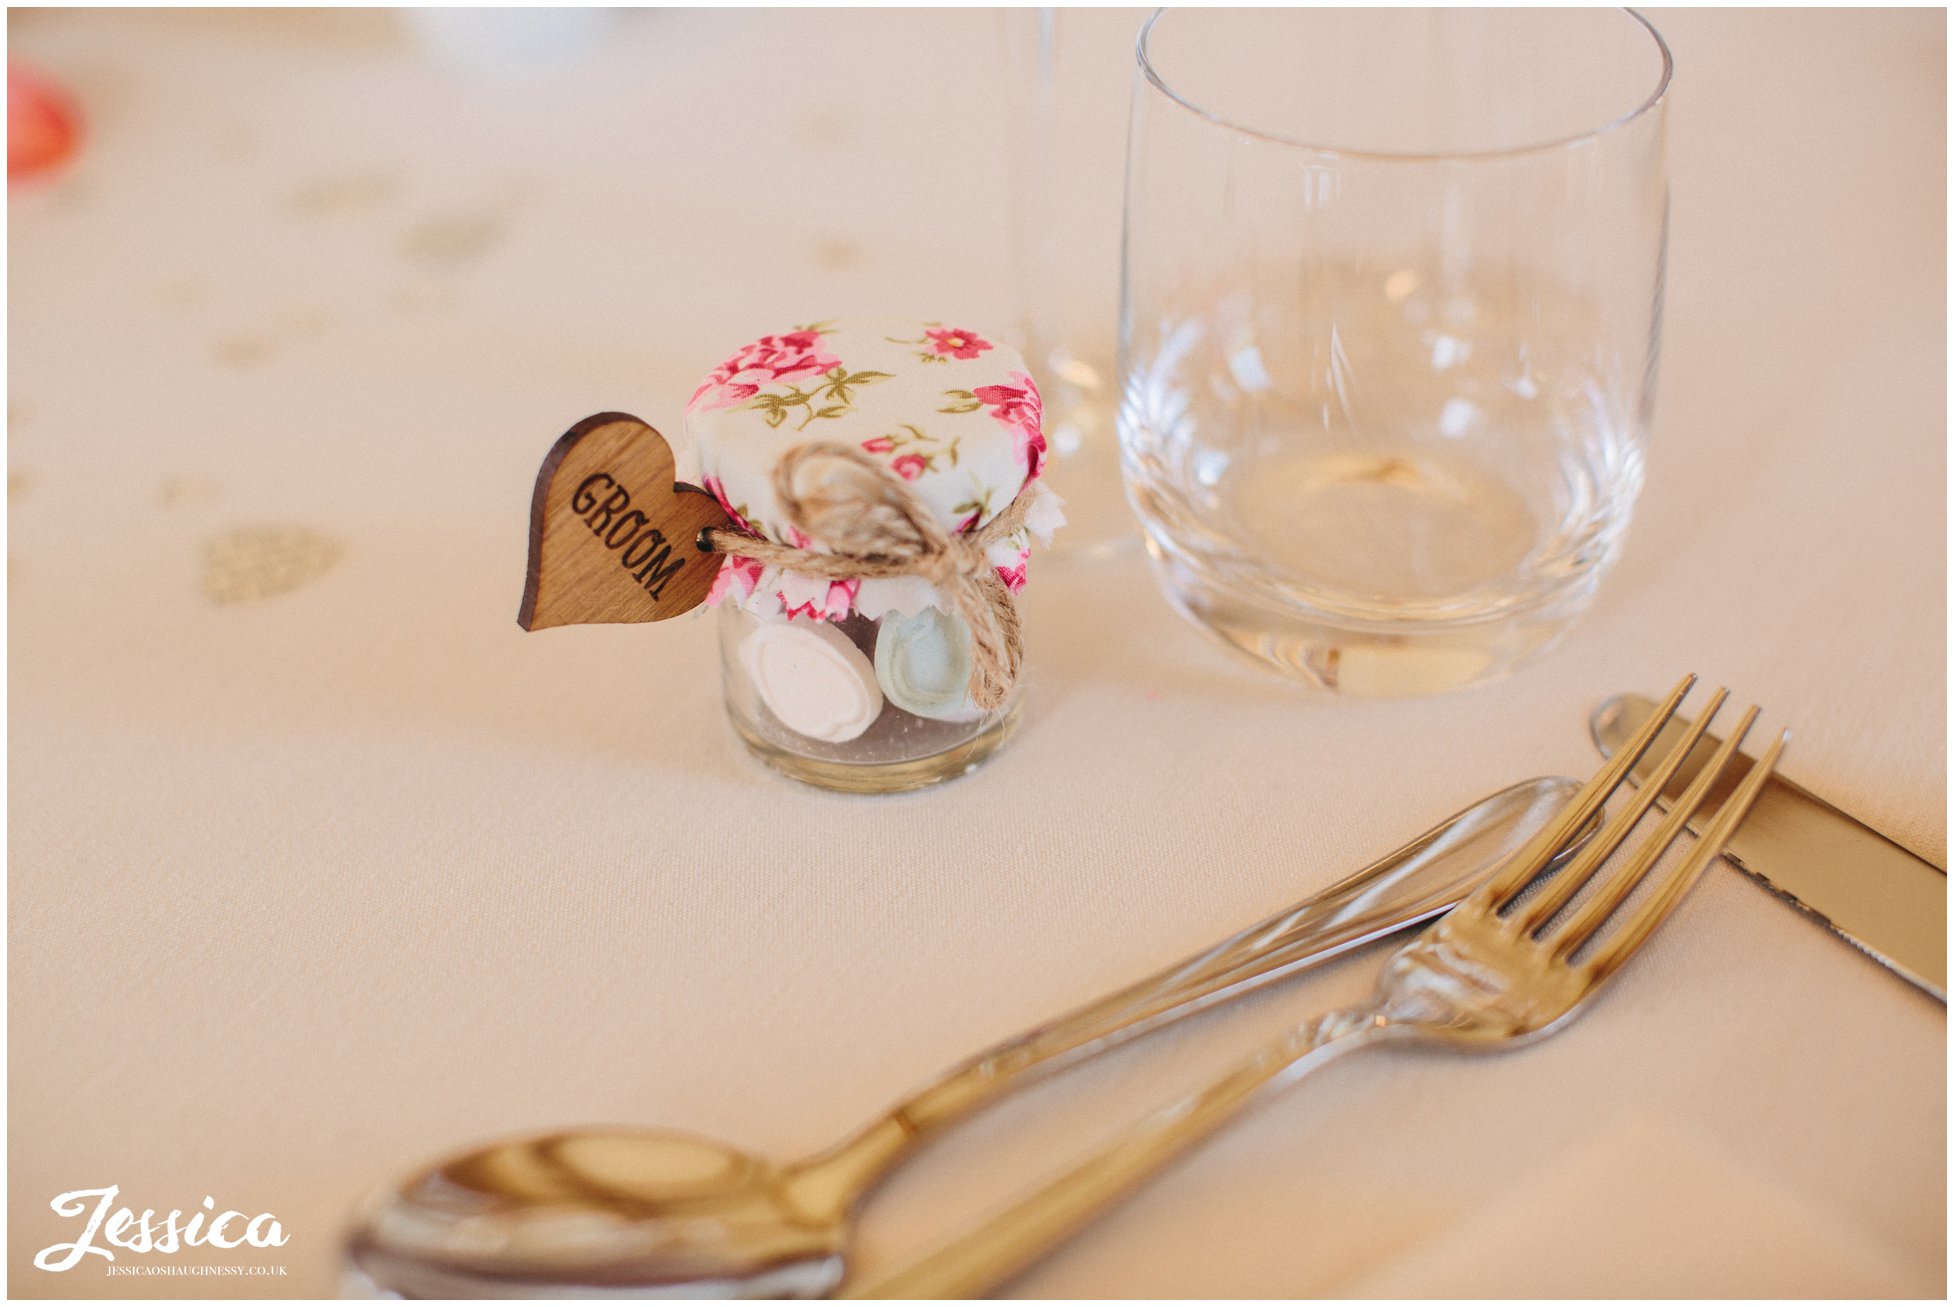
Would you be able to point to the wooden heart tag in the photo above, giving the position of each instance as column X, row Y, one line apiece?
column 612, row 536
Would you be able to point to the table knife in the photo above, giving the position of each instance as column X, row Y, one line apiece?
column 1886, row 902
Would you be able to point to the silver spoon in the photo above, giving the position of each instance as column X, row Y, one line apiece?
column 619, row 1212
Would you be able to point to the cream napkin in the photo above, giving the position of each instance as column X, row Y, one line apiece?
column 1648, row 1210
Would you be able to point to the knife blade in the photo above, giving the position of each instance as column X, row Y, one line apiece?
column 1885, row 901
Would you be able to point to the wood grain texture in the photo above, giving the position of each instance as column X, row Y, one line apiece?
column 613, row 537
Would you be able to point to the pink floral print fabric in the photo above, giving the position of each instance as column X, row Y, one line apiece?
column 948, row 409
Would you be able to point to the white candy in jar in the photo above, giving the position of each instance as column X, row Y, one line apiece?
column 813, row 678
column 923, row 662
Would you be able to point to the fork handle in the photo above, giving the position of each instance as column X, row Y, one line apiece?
column 1014, row 1238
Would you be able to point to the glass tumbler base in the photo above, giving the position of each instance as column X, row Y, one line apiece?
column 881, row 777
column 1369, row 658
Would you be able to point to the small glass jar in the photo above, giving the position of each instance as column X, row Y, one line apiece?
column 807, row 696
column 866, row 684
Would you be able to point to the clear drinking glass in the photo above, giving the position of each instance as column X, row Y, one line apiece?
column 1066, row 70
column 1391, row 301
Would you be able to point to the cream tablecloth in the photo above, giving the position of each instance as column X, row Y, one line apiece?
column 307, row 887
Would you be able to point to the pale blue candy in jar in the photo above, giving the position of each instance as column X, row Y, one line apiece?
column 886, row 477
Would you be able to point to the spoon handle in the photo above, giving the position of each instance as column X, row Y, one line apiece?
column 1417, row 882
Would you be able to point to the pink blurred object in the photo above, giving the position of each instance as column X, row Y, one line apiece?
column 43, row 124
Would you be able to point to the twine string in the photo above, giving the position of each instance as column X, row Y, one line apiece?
column 875, row 527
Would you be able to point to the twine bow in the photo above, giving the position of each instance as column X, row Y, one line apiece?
column 876, row 528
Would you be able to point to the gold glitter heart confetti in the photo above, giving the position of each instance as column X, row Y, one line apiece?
column 257, row 562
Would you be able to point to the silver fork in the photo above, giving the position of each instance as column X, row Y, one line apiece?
column 1497, row 971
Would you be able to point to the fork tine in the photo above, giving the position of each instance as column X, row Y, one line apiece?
column 1580, row 927
column 1540, row 850
column 1562, row 889
column 1618, row 950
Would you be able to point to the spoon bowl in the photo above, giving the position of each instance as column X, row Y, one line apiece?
column 601, row 1213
